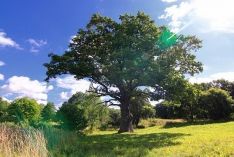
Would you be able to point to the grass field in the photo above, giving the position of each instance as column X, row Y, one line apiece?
column 216, row 139
column 182, row 139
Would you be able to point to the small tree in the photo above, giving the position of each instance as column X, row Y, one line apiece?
column 224, row 85
column 216, row 103
column 221, row 83
column 140, row 107
column 48, row 112
column 24, row 111
column 168, row 109
column 72, row 117
column 82, row 111
column 189, row 101
column 3, row 109
column 114, row 117
column 148, row 111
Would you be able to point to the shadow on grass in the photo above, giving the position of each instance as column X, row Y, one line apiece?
column 127, row 145
column 197, row 122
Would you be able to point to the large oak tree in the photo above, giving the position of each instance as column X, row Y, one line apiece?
column 127, row 58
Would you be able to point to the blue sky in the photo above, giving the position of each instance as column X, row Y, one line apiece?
column 29, row 30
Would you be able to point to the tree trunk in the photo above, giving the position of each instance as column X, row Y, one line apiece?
column 126, row 119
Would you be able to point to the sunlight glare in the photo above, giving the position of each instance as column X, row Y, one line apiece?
column 217, row 14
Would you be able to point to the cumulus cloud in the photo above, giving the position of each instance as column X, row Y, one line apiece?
column 21, row 86
column 5, row 99
column 223, row 75
column 69, row 82
column 154, row 103
column 2, row 63
column 64, row 95
column 168, row 1
column 71, row 38
column 1, row 77
column 36, row 44
column 177, row 15
column 207, row 15
column 72, row 85
column 7, row 41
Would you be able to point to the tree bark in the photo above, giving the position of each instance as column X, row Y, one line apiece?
column 126, row 119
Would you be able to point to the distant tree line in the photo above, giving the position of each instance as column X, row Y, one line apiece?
column 26, row 112
column 213, row 100
column 86, row 112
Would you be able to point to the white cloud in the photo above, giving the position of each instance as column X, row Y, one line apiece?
column 2, row 63
column 36, row 44
column 71, row 38
column 69, row 82
column 223, row 75
column 206, row 15
column 64, row 95
column 21, row 86
column 1, row 77
column 154, row 103
column 6, row 41
column 168, row 1
column 177, row 15
column 73, row 85
column 5, row 99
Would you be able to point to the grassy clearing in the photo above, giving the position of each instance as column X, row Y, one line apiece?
column 173, row 139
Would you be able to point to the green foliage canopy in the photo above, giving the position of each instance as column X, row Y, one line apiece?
column 189, row 100
column 114, row 117
column 82, row 111
column 24, row 111
column 216, row 103
column 48, row 112
column 125, row 55
column 221, row 83
column 140, row 107
column 3, row 109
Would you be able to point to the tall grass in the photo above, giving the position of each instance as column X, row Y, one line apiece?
column 60, row 143
column 21, row 142
column 164, row 138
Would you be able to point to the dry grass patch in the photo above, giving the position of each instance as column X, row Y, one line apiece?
column 145, row 123
column 20, row 142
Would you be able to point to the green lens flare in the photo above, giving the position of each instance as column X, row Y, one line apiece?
column 167, row 39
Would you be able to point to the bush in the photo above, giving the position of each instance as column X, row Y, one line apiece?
column 24, row 111
column 72, row 117
column 114, row 117
column 83, row 111
column 189, row 101
column 147, row 111
column 216, row 104
column 167, row 110
column 140, row 107
column 3, row 110
column 48, row 112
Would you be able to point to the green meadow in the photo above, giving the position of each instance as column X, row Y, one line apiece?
column 175, row 140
